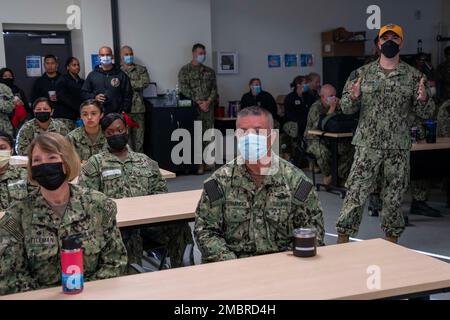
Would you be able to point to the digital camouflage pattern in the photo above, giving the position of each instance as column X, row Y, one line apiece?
column 199, row 83
column 388, row 104
column 140, row 80
column 392, row 168
column 7, row 106
column 13, row 186
column 84, row 146
column 137, row 176
column 31, row 237
column 443, row 120
column 31, row 130
column 250, row 220
column 321, row 148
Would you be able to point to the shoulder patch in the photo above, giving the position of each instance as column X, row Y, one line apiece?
column 353, row 75
column 12, row 226
column 213, row 191
column 303, row 191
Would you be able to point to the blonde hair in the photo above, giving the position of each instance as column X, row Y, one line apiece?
column 55, row 143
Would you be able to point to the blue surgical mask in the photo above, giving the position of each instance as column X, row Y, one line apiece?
column 306, row 88
column 253, row 147
column 128, row 59
column 106, row 60
column 256, row 89
column 201, row 58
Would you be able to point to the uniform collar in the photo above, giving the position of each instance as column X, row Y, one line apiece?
column 109, row 156
column 87, row 141
column 10, row 173
column 240, row 172
column 74, row 211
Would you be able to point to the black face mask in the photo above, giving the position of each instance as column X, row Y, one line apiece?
column 42, row 116
column 117, row 142
column 390, row 49
column 50, row 176
column 9, row 82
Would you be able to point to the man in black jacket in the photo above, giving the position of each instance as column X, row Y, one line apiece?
column 51, row 86
column 71, row 93
column 109, row 85
column 258, row 97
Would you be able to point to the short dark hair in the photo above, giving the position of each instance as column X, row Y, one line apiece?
column 311, row 76
column 198, row 46
column 255, row 111
column 109, row 119
column 50, row 56
column 8, row 138
column 70, row 60
column 447, row 50
column 92, row 102
column 297, row 80
column 4, row 70
column 40, row 100
column 253, row 80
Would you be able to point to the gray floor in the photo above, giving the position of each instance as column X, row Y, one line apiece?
column 431, row 235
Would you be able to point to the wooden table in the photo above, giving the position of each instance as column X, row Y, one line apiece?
column 338, row 272
column 161, row 208
column 169, row 207
column 441, row 144
column 334, row 139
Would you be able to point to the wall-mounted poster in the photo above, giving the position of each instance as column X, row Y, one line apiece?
column 95, row 60
column 274, row 60
column 34, row 66
column 290, row 60
column 306, row 60
column 227, row 63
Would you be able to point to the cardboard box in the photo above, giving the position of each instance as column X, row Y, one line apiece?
column 331, row 48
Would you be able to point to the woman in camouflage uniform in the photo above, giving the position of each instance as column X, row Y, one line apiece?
column 32, row 229
column 89, row 139
column 13, row 180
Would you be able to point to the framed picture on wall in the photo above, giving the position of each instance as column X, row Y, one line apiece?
column 227, row 63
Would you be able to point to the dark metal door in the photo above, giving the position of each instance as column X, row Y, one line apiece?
column 20, row 44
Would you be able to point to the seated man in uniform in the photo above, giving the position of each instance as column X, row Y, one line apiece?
column 252, row 205
column 121, row 173
column 328, row 106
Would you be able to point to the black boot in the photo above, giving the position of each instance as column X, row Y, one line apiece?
column 423, row 209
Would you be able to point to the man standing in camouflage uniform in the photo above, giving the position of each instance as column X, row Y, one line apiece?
column 198, row 82
column 386, row 93
column 140, row 80
column 443, row 77
column 7, row 106
column 252, row 205
column 328, row 106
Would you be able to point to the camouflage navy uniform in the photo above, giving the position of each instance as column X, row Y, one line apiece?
column 140, row 80
column 31, row 130
column 320, row 147
column 31, row 236
column 235, row 218
column 13, row 186
column 7, row 106
column 84, row 146
column 382, row 142
column 137, row 176
column 443, row 119
column 199, row 83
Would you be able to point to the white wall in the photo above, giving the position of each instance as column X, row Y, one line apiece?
column 256, row 28
column 96, row 29
column 162, row 33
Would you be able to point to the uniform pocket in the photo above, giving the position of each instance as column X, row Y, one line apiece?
column 237, row 222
